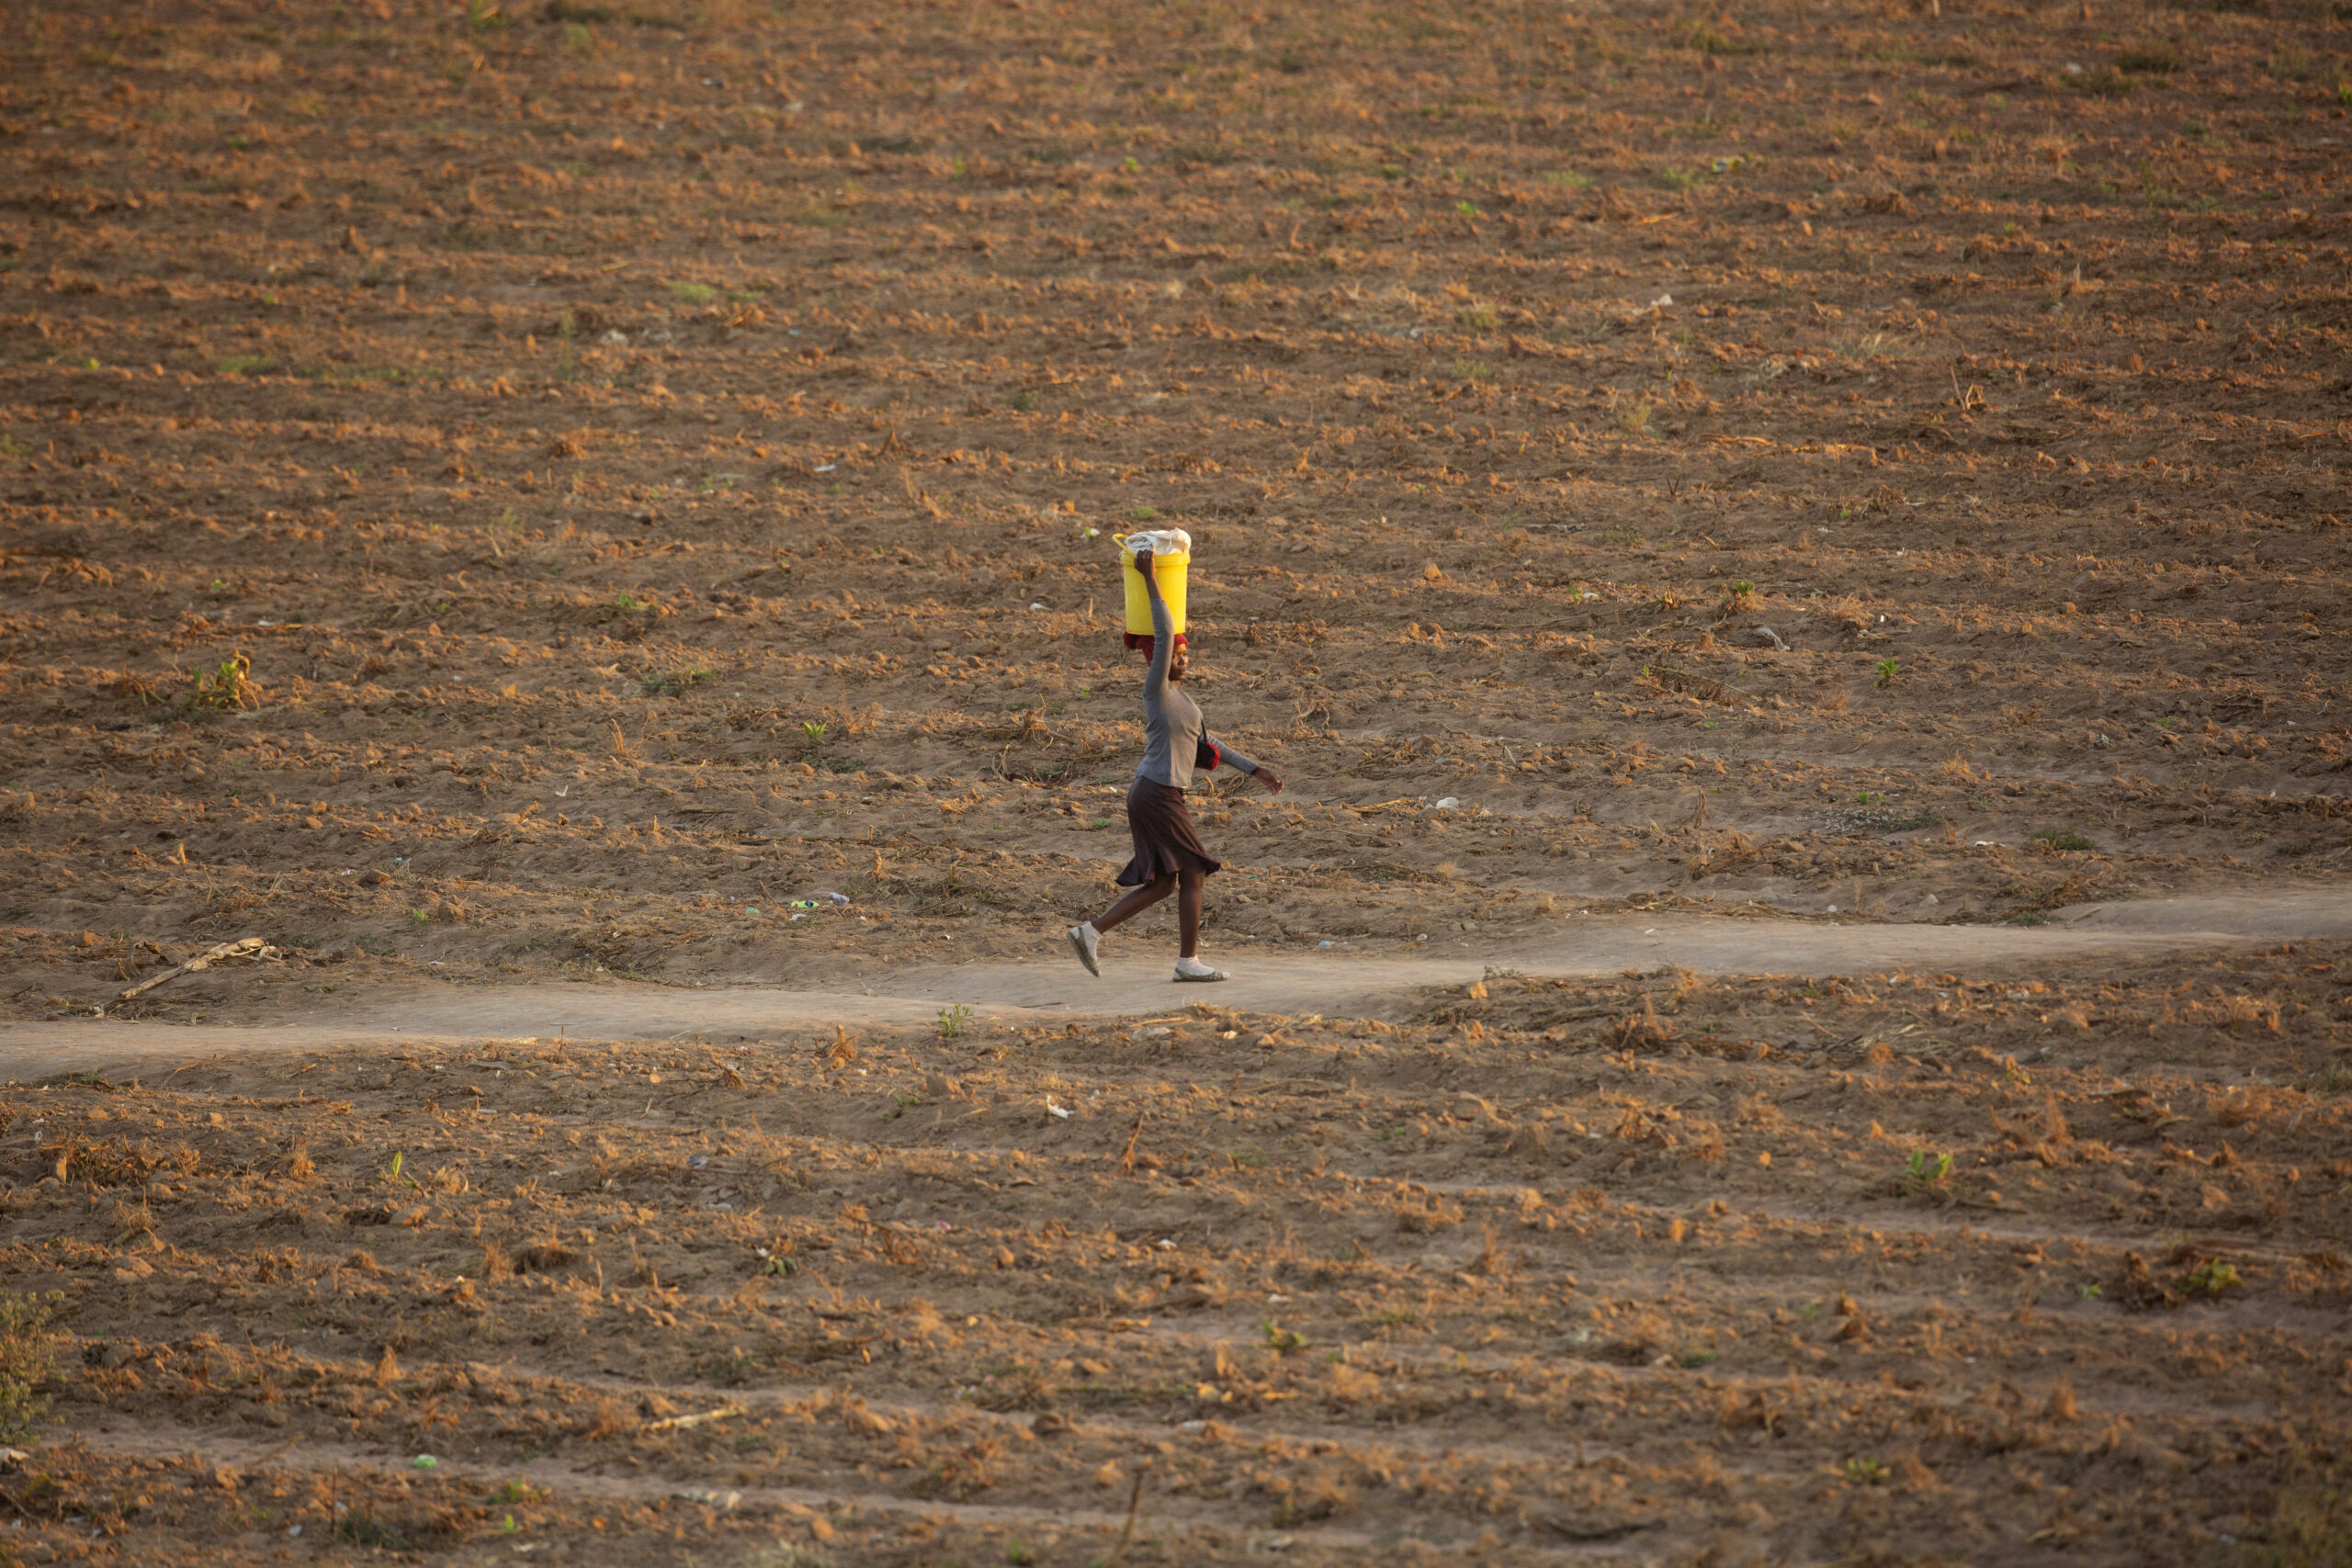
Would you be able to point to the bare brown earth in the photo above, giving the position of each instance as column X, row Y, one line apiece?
column 2041, row 1267
column 504, row 502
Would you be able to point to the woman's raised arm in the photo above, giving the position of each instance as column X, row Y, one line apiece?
column 1163, row 630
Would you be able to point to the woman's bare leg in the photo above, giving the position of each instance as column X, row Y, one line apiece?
column 1188, row 910
column 1137, row 901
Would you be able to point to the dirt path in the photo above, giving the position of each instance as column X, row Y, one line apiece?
column 1346, row 980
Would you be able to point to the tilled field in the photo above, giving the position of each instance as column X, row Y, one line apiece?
column 493, row 495
column 1912, row 1268
column 517, row 491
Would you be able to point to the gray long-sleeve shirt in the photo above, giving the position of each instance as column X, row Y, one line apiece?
column 1173, row 726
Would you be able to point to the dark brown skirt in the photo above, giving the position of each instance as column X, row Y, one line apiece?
column 1166, row 840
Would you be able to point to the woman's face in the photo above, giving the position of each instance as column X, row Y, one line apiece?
column 1179, row 662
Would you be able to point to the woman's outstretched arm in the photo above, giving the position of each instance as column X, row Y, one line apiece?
column 1227, row 752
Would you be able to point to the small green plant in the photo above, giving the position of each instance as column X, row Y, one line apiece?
column 693, row 293
column 1865, row 1471
column 1924, row 1172
column 1394, row 1133
column 1887, row 669
column 510, row 1492
column 485, row 16
column 952, row 1020
column 421, row 917
column 628, row 604
column 2062, row 839
column 248, row 365
column 228, row 684
column 814, row 733
column 28, row 1357
column 2212, row 1276
column 1739, row 595
column 1283, row 1341
column 1476, row 318
column 1865, row 797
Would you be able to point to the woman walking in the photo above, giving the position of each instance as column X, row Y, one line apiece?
column 1169, row 855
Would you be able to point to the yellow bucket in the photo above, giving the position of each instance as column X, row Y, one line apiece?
column 1171, row 551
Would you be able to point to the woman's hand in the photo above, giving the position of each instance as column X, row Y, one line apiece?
column 1148, row 565
column 1271, row 779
